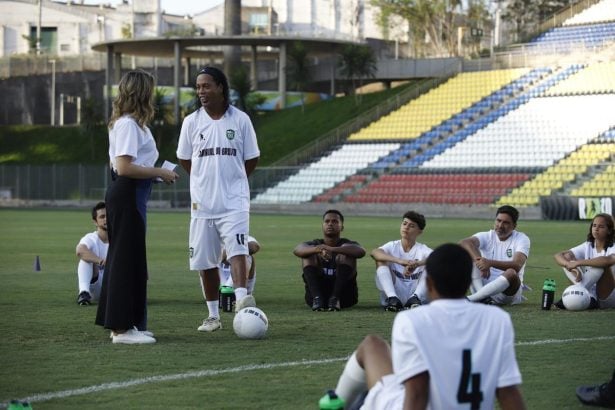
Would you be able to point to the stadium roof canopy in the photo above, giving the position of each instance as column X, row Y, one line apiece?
column 211, row 47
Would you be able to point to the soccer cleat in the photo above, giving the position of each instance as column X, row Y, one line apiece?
column 560, row 304
column 602, row 395
column 334, row 304
column 143, row 332
column 593, row 304
column 487, row 301
column 413, row 302
column 132, row 337
column 393, row 304
column 331, row 401
column 317, row 304
column 211, row 324
column 248, row 301
column 84, row 299
column 19, row 405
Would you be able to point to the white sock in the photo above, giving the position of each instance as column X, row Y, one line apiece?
column 591, row 276
column 477, row 279
column 421, row 288
column 85, row 271
column 571, row 276
column 213, row 308
column 498, row 285
column 383, row 275
column 250, row 284
column 352, row 380
column 240, row 293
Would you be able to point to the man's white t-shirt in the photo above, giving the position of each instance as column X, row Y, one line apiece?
column 127, row 138
column 491, row 247
column 93, row 242
column 457, row 342
column 218, row 150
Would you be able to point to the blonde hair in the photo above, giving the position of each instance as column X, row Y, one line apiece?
column 135, row 98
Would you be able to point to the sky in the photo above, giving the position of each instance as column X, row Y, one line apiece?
column 179, row 7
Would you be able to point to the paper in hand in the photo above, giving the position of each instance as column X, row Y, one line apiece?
column 166, row 165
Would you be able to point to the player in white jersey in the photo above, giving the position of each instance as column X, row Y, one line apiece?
column 92, row 253
column 400, row 266
column 499, row 258
column 226, row 278
column 449, row 354
column 598, row 252
column 218, row 148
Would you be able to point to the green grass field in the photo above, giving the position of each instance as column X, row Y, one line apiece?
column 52, row 353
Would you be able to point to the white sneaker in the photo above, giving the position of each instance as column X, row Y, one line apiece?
column 211, row 324
column 143, row 332
column 132, row 337
column 248, row 301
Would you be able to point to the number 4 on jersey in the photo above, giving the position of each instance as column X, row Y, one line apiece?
column 469, row 385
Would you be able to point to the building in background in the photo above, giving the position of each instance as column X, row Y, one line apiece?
column 71, row 28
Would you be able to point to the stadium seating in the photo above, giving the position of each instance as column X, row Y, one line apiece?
column 595, row 78
column 600, row 12
column 565, row 39
column 324, row 173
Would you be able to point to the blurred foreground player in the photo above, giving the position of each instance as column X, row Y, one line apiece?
column 449, row 354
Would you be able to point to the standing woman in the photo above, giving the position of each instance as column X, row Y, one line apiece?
column 132, row 155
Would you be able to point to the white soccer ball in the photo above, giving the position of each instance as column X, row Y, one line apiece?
column 250, row 323
column 576, row 297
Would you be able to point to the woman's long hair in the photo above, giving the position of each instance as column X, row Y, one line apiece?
column 135, row 98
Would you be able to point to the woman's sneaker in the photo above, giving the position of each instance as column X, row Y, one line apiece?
column 132, row 337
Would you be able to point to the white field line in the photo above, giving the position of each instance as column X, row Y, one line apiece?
column 210, row 373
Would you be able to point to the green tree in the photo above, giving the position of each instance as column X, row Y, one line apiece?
column 91, row 120
column 526, row 15
column 240, row 82
column 432, row 20
column 298, row 70
column 356, row 63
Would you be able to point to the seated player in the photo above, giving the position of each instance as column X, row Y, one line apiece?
column 92, row 253
column 400, row 266
column 330, row 266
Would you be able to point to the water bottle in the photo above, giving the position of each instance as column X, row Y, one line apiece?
column 548, row 293
column 227, row 298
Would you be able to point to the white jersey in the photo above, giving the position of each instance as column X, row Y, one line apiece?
column 467, row 348
column 95, row 244
column 127, row 138
column 218, row 150
column 586, row 250
column 491, row 247
column 405, row 286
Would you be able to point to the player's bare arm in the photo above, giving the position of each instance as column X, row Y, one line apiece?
column 251, row 165
column 516, row 263
column 381, row 256
column 126, row 168
column 186, row 165
column 510, row 398
column 85, row 254
column 416, row 392
column 348, row 249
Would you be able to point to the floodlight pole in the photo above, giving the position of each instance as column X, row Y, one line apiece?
column 53, row 92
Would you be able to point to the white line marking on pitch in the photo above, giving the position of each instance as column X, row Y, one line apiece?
column 209, row 373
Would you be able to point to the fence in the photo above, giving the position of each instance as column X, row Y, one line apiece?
column 86, row 183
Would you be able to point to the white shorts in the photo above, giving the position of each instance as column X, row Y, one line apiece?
column 208, row 237
column 609, row 302
column 386, row 394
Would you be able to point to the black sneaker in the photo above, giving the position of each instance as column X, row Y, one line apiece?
column 334, row 304
column 393, row 304
column 84, row 299
column 317, row 304
column 560, row 304
column 593, row 304
column 487, row 301
column 602, row 395
column 413, row 302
